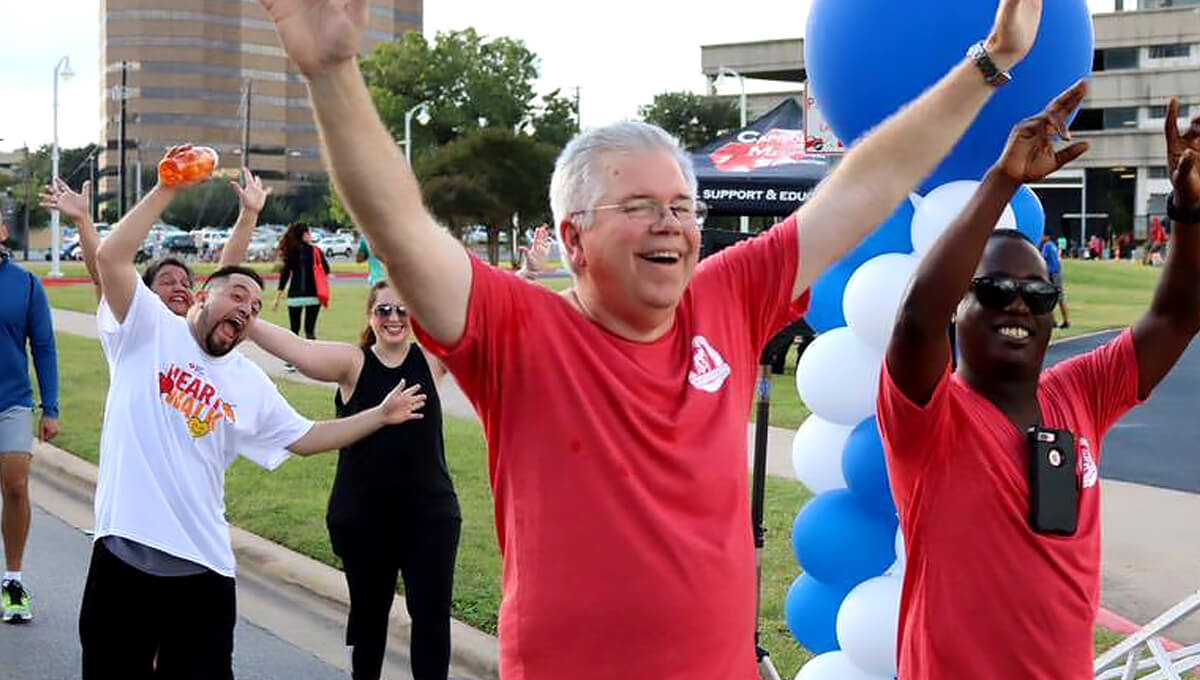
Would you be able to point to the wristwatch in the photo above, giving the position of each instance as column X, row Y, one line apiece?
column 1179, row 214
column 992, row 74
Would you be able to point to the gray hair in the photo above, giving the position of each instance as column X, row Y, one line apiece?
column 576, row 184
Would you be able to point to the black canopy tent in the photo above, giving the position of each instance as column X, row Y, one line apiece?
column 762, row 169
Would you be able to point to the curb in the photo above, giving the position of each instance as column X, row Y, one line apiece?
column 471, row 649
column 1119, row 624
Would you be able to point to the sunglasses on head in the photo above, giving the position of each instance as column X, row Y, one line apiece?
column 385, row 310
column 998, row 292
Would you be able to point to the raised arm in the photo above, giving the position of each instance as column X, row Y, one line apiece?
column 114, row 259
column 402, row 404
column 425, row 263
column 252, row 198
column 886, row 165
column 920, row 349
column 75, row 206
column 337, row 362
column 1166, row 329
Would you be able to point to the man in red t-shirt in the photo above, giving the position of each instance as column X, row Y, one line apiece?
column 987, row 595
column 615, row 413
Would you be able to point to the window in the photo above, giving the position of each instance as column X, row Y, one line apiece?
column 1159, row 4
column 1169, row 51
column 1160, row 112
column 1116, row 58
column 1156, row 172
column 1120, row 117
column 1088, row 120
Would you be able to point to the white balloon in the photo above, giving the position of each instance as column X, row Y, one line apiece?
column 939, row 208
column 897, row 568
column 915, row 199
column 873, row 295
column 817, row 454
column 867, row 625
column 838, row 377
column 834, row 666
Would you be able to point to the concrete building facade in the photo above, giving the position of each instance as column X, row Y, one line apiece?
column 187, row 66
column 1144, row 55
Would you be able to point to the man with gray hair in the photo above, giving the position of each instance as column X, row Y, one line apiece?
column 616, row 412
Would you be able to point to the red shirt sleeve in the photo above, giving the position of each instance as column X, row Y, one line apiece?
column 1103, row 381
column 759, row 273
column 910, row 432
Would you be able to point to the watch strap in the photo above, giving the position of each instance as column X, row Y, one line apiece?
column 992, row 74
column 1180, row 214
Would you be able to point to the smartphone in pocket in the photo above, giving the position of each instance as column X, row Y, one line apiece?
column 1054, row 486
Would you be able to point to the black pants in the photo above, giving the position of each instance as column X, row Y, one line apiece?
column 310, row 320
column 129, row 617
column 422, row 551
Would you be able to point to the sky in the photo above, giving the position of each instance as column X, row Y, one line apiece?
column 620, row 53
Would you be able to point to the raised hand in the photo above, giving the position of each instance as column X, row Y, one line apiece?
column 318, row 34
column 538, row 251
column 1030, row 153
column 58, row 195
column 1014, row 31
column 253, row 196
column 1183, row 152
column 402, row 404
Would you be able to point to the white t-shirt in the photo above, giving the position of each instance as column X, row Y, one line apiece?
column 175, row 420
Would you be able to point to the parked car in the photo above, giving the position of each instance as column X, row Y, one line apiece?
column 340, row 244
column 180, row 243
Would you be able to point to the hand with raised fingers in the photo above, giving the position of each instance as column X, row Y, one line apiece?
column 1030, row 154
column 1183, row 154
column 402, row 404
column 58, row 195
column 253, row 196
column 318, row 34
column 537, row 253
column 1014, row 31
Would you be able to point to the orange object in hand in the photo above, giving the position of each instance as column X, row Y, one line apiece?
column 187, row 165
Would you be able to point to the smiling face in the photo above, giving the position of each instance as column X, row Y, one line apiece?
column 636, row 268
column 173, row 285
column 228, row 306
column 388, row 318
column 1005, row 343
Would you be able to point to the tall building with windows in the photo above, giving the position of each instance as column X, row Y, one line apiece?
column 187, row 67
column 1146, row 52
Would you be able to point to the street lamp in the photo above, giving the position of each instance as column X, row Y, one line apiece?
column 61, row 69
column 744, row 222
column 421, row 111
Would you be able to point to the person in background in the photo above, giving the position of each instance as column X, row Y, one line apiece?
column 533, row 258
column 392, row 509
column 303, row 264
column 24, row 318
column 1051, row 253
column 375, row 273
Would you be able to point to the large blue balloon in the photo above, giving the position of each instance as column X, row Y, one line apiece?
column 839, row 542
column 1031, row 216
column 865, row 470
column 811, row 610
column 893, row 236
column 867, row 58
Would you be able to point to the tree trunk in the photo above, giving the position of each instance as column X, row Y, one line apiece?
column 493, row 246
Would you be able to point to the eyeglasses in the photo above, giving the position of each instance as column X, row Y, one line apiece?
column 689, row 213
column 385, row 310
column 998, row 292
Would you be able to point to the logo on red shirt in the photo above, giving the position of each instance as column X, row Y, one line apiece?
column 709, row 369
column 1087, row 466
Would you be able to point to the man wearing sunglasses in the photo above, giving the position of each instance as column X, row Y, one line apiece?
column 995, row 586
column 616, row 413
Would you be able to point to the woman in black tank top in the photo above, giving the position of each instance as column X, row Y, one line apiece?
column 392, row 509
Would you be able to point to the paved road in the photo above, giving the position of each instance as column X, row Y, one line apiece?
column 1155, row 444
column 56, row 567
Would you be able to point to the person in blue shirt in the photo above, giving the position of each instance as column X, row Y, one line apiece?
column 24, row 317
column 374, row 267
column 1050, row 253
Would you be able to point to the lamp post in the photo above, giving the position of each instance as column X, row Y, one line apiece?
column 421, row 111
column 61, row 69
column 744, row 222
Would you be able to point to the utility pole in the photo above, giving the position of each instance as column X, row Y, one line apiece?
column 92, row 207
column 246, row 129
column 25, row 165
column 121, row 143
column 578, row 119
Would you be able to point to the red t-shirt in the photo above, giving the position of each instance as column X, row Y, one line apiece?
column 619, row 470
column 985, row 597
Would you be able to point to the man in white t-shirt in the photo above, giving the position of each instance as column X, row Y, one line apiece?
column 182, row 405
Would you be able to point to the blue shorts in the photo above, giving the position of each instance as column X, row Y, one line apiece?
column 16, row 430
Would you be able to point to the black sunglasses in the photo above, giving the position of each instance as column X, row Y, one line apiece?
column 385, row 310
column 998, row 292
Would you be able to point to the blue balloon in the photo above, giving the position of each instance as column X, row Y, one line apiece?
column 825, row 305
column 840, row 542
column 867, row 58
column 893, row 236
column 1031, row 216
column 865, row 470
column 811, row 610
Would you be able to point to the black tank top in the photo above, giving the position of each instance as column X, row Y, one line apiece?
column 400, row 470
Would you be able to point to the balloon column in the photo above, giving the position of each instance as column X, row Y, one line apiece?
column 845, row 606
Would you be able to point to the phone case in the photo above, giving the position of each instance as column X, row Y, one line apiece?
column 1054, row 486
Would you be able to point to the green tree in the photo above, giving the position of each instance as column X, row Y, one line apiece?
column 486, row 178
column 694, row 119
column 557, row 121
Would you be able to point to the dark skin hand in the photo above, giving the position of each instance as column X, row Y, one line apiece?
column 919, row 352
